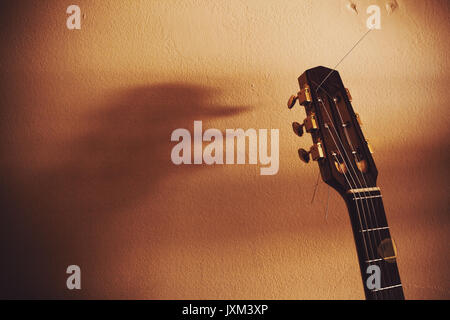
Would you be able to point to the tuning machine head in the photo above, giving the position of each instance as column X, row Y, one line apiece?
column 308, row 125
column 303, row 97
column 316, row 153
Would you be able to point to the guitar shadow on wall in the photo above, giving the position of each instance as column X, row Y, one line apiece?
column 60, row 215
column 128, row 149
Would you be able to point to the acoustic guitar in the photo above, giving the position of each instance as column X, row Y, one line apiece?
column 346, row 164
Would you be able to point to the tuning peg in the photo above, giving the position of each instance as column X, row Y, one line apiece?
column 308, row 125
column 304, row 155
column 298, row 128
column 291, row 101
column 316, row 153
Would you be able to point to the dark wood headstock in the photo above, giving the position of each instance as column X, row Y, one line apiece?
column 339, row 146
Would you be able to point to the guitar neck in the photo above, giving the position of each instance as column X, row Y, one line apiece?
column 373, row 243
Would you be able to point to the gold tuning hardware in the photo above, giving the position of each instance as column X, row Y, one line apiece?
column 348, row 95
column 315, row 153
column 309, row 124
column 304, row 96
column 358, row 118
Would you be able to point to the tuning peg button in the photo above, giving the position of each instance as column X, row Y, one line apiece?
column 304, row 155
column 298, row 128
column 291, row 101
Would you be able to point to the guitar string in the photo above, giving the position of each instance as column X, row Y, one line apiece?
column 320, row 85
column 350, row 185
column 377, row 231
column 377, row 226
column 386, row 270
column 345, row 56
column 315, row 188
column 314, row 194
column 317, row 89
column 328, row 75
column 365, row 194
column 359, row 216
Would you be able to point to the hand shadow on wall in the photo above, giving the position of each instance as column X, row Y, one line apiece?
column 54, row 215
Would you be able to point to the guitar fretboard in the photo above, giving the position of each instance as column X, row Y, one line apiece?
column 373, row 242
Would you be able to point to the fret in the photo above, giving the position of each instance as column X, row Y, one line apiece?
column 387, row 288
column 394, row 292
column 373, row 260
column 374, row 229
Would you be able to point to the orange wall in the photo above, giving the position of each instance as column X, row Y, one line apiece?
column 86, row 118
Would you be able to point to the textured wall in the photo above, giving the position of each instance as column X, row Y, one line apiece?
column 86, row 118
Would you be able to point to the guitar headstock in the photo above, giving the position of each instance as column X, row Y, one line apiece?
column 339, row 147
